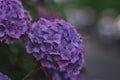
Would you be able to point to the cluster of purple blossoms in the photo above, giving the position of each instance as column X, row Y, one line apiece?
column 4, row 77
column 57, row 45
column 14, row 20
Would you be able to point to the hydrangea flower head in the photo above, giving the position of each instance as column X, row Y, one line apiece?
column 57, row 45
column 14, row 20
column 4, row 77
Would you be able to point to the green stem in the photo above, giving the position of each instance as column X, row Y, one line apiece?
column 30, row 73
column 33, row 71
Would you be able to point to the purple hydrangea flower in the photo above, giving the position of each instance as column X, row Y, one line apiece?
column 4, row 77
column 14, row 20
column 57, row 45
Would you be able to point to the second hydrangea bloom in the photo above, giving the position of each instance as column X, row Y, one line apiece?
column 14, row 20
column 57, row 45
